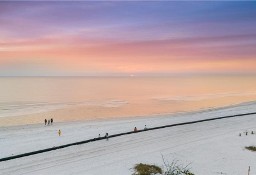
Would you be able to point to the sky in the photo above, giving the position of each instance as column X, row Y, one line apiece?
column 127, row 38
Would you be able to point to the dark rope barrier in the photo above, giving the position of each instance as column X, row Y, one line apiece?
column 117, row 135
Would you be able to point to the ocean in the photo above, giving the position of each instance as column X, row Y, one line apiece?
column 27, row 100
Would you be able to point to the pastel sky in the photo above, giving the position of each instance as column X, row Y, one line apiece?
column 123, row 38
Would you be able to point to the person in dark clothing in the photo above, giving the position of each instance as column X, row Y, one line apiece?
column 51, row 120
column 45, row 121
column 106, row 136
column 135, row 129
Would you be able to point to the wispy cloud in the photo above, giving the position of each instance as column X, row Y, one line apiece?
column 130, row 37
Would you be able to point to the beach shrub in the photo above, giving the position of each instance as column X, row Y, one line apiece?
column 251, row 148
column 173, row 168
column 145, row 169
column 176, row 168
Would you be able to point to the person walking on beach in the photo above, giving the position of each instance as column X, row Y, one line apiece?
column 106, row 136
column 51, row 121
column 145, row 128
column 135, row 129
column 59, row 132
column 48, row 122
column 45, row 121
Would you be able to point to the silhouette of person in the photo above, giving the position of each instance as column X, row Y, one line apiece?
column 45, row 121
column 51, row 120
column 106, row 136
column 135, row 129
column 145, row 128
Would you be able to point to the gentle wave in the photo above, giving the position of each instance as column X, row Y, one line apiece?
column 203, row 97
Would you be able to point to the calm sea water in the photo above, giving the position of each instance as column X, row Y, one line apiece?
column 120, row 96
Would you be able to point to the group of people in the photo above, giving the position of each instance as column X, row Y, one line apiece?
column 48, row 122
column 106, row 135
column 246, row 133
column 135, row 128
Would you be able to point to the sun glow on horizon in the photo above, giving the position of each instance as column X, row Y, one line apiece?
column 92, row 38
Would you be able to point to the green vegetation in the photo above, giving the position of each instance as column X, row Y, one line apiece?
column 251, row 148
column 144, row 169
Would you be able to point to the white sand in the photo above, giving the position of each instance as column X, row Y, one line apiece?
column 212, row 147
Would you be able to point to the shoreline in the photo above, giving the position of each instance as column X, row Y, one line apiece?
column 38, row 116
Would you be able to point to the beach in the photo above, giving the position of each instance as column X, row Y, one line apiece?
column 212, row 147
column 100, row 87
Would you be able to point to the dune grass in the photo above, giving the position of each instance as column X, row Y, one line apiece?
column 251, row 148
column 169, row 169
column 144, row 169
